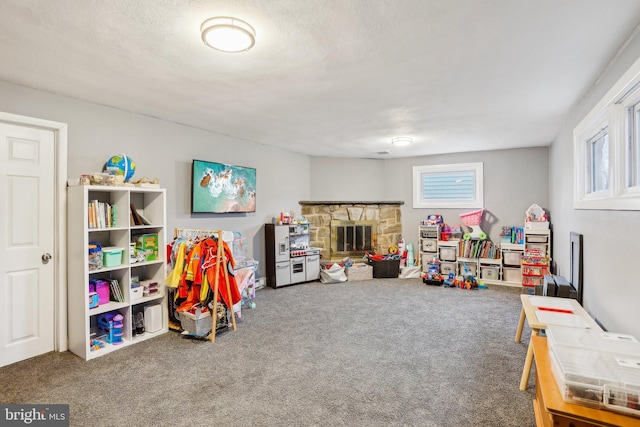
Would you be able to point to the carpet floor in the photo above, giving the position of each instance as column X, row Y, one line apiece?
column 381, row 352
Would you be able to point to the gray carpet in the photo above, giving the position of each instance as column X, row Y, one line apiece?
column 384, row 352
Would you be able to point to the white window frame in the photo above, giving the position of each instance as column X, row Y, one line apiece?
column 613, row 113
column 477, row 202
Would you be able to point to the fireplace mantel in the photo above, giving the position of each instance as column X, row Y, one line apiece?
column 350, row 202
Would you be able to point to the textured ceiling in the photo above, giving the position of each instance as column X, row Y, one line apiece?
column 328, row 77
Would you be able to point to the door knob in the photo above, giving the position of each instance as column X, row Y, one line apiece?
column 46, row 258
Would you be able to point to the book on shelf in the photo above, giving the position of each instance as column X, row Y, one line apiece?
column 116, row 291
column 135, row 216
column 145, row 220
column 101, row 215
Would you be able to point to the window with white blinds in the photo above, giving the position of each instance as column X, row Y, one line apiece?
column 448, row 186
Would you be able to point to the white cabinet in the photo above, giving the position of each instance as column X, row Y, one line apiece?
column 115, row 230
column 428, row 244
column 312, row 267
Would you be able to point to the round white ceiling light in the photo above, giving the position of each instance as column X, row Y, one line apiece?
column 228, row 34
column 401, row 141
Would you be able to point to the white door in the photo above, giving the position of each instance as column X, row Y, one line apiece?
column 27, row 276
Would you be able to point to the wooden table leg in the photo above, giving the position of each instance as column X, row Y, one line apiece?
column 527, row 364
column 520, row 325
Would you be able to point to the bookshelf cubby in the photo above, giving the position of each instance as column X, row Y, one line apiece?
column 114, row 229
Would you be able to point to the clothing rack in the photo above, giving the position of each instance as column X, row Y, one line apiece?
column 192, row 232
column 188, row 233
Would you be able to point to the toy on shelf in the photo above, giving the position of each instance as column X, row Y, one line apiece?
column 473, row 221
column 432, row 220
column 468, row 279
column 536, row 218
column 448, row 232
column 111, row 326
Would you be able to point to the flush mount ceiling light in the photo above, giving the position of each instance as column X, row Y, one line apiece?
column 228, row 34
column 401, row 140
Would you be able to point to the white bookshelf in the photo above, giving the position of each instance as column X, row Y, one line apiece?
column 151, row 203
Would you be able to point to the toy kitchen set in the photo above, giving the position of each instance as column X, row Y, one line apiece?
column 289, row 258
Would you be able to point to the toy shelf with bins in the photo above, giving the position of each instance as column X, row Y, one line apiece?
column 448, row 256
column 511, row 263
column 428, row 242
column 507, row 269
column 117, row 230
column 535, row 265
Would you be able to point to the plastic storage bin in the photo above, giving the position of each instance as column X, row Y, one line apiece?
column 112, row 256
column 447, row 254
column 512, row 274
column 136, row 293
column 581, row 375
column 199, row 324
column 586, row 338
column 385, row 268
column 447, row 267
column 490, row 273
column 95, row 256
column 101, row 287
column 512, row 257
column 429, row 245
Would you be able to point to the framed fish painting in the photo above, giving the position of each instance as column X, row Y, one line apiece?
column 222, row 188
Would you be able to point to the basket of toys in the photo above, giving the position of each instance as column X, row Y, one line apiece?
column 198, row 323
column 472, row 218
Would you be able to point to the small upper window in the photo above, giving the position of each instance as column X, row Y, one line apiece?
column 448, row 186
column 633, row 148
column 598, row 162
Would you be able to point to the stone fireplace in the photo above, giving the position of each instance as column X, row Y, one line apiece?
column 350, row 229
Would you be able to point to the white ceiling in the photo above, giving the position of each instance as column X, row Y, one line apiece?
column 328, row 77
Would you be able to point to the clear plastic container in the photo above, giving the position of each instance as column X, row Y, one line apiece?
column 594, row 339
column 581, row 375
column 95, row 256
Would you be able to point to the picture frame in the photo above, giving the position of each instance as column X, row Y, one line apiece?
column 222, row 188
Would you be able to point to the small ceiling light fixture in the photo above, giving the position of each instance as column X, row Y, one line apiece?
column 228, row 34
column 401, row 141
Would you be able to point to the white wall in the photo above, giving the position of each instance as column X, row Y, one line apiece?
column 513, row 180
column 347, row 179
column 165, row 150
column 611, row 286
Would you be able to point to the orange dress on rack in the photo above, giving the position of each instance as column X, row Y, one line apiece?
column 209, row 257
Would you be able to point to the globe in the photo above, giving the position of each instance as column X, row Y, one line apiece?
column 121, row 165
